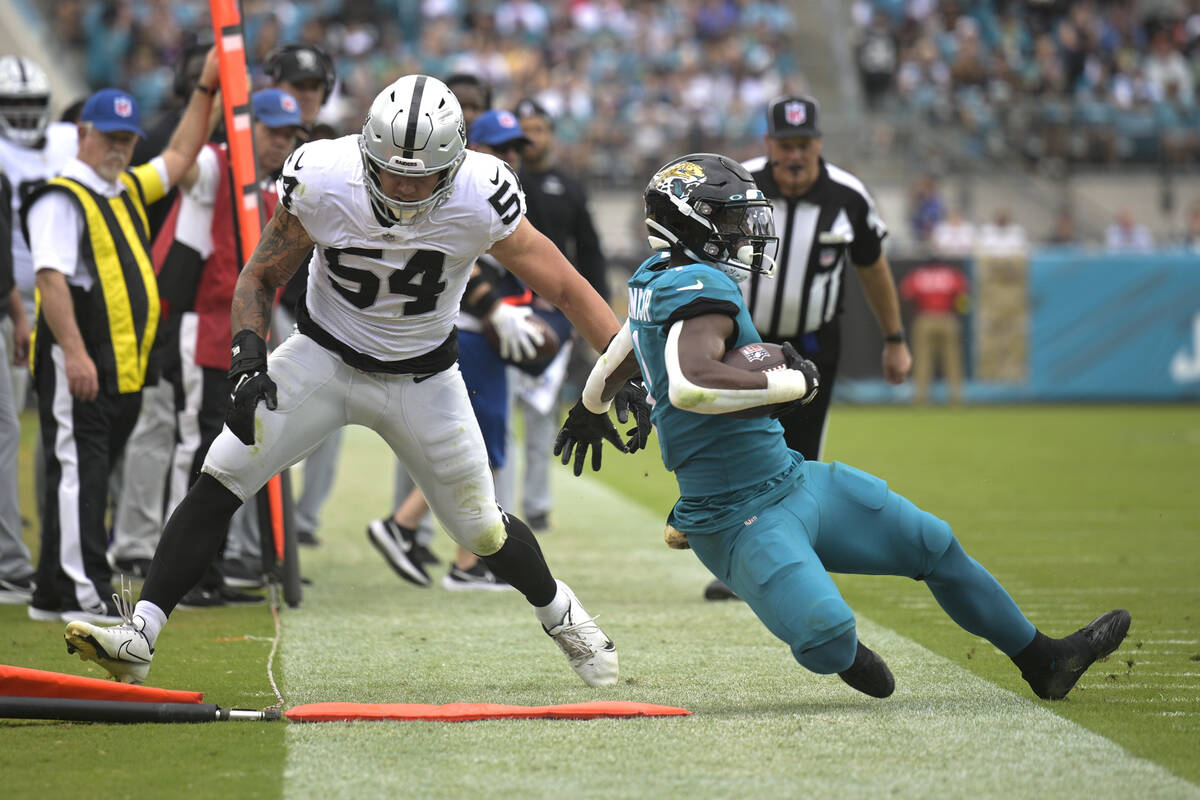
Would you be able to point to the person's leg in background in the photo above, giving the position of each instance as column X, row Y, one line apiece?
column 320, row 471
column 925, row 346
column 16, row 566
column 139, row 515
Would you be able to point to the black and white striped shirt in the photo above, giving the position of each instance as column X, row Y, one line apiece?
column 833, row 221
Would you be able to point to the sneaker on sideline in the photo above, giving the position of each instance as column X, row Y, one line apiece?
column 590, row 652
column 235, row 597
column 121, row 649
column 38, row 614
column 16, row 591
column 423, row 555
column 395, row 543
column 241, row 574
column 477, row 578
column 103, row 614
column 200, row 597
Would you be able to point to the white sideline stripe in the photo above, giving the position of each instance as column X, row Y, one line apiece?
column 943, row 728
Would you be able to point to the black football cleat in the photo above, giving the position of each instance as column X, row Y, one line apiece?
column 1075, row 653
column 717, row 590
column 869, row 674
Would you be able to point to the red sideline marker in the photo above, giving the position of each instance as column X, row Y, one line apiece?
column 471, row 712
column 22, row 682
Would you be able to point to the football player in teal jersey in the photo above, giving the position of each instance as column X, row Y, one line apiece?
column 762, row 519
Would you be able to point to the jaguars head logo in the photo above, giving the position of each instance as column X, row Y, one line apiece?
column 679, row 179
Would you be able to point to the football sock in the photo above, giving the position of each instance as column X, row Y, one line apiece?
column 552, row 614
column 520, row 563
column 1038, row 656
column 153, row 620
column 977, row 602
column 190, row 541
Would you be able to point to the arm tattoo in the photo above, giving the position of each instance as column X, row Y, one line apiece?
column 283, row 248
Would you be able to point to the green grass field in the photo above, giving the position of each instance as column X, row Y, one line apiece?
column 1075, row 509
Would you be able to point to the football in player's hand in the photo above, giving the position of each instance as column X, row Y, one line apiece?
column 757, row 357
column 546, row 351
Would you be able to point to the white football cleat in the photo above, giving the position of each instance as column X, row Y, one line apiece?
column 122, row 649
column 590, row 652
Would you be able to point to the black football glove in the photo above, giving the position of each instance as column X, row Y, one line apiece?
column 582, row 430
column 251, row 383
column 811, row 377
column 632, row 397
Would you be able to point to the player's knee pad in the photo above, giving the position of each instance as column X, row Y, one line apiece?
column 483, row 536
column 834, row 655
column 928, row 535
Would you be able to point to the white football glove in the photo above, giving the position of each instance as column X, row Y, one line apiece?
column 519, row 337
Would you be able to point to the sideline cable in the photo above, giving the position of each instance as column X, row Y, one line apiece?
column 279, row 702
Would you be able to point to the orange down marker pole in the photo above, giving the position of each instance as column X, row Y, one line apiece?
column 239, row 129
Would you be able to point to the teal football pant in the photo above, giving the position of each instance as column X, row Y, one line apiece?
column 843, row 520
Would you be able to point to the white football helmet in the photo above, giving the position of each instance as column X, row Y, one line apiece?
column 415, row 128
column 24, row 100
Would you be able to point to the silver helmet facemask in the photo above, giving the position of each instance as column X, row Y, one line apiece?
column 24, row 101
column 414, row 129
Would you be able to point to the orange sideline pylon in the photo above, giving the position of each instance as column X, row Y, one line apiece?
column 23, row 682
column 471, row 712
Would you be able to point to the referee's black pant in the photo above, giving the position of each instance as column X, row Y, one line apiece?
column 82, row 441
column 804, row 428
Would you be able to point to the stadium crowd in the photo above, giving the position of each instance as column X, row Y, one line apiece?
column 1068, row 81
column 628, row 81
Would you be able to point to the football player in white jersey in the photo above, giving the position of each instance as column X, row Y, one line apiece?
column 32, row 149
column 392, row 221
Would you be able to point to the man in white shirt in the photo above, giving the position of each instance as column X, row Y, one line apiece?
column 97, row 313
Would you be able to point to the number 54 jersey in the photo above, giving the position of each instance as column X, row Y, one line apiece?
column 392, row 291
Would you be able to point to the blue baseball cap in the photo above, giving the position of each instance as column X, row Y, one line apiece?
column 111, row 110
column 275, row 108
column 496, row 127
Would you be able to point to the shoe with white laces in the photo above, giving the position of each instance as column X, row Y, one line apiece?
column 395, row 543
column 590, row 652
column 122, row 649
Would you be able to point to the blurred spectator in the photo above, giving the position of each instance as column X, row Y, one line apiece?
column 1062, row 230
column 680, row 76
column 1191, row 233
column 1002, row 236
column 939, row 292
column 1127, row 235
column 926, row 207
column 877, row 61
column 953, row 236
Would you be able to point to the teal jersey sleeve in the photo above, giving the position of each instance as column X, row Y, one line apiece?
column 709, row 453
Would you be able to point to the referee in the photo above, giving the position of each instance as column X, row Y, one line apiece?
column 825, row 219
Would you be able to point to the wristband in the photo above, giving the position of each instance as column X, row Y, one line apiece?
column 208, row 90
column 895, row 338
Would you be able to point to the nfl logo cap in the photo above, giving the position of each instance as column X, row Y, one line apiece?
column 792, row 115
column 275, row 108
column 111, row 110
column 496, row 127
